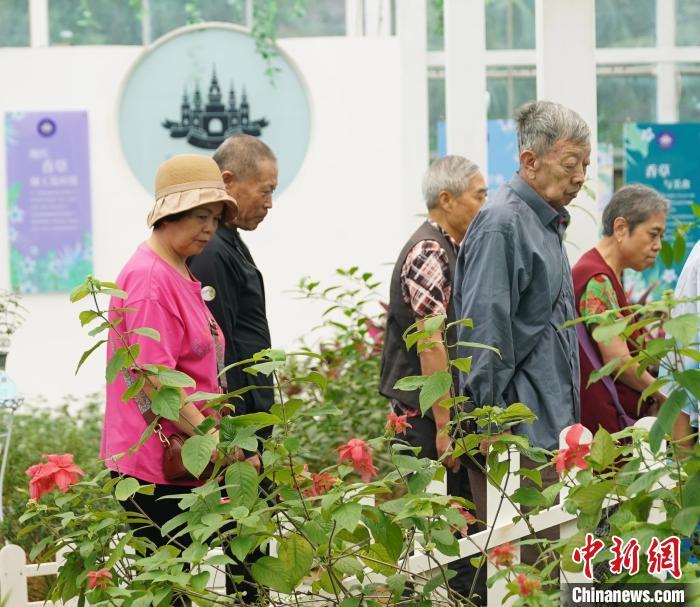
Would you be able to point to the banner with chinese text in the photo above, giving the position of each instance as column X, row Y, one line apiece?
column 665, row 157
column 48, row 200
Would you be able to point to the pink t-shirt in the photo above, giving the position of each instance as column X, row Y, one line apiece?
column 166, row 301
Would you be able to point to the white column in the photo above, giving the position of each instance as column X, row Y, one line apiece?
column 354, row 17
column 566, row 73
column 411, row 29
column 377, row 17
column 38, row 23
column 666, row 89
column 465, row 79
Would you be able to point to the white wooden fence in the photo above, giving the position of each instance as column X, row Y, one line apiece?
column 14, row 570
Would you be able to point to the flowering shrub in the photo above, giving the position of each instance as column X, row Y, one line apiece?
column 339, row 546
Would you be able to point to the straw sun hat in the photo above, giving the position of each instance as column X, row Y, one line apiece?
column 187, row 181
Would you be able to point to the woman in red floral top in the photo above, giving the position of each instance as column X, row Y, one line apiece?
column 634, row 222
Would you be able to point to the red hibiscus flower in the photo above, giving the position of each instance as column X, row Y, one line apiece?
column 99, row 579
column 503, row 555
column 527, row 585
column 59, row 471
column 397, row 423
column 321, row 484
column 359, row 454
column 574, row 455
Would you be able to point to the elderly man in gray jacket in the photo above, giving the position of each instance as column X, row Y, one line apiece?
column 513, row 280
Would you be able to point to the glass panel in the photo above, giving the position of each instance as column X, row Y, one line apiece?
column 625, row 23
column 689, row 98
column 436, row 113
column 311, row 18
column 436, row 31
column 509, row 88
column 510, row 24
column 14, row 23
column 167, row 15
column 96, row 22
column 687, row 22
column 624, row 97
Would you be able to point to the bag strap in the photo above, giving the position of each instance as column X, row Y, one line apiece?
column 589, row 350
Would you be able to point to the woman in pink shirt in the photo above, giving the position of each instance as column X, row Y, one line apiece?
column 191, row 200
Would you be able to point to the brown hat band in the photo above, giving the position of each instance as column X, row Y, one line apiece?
column 189, row 185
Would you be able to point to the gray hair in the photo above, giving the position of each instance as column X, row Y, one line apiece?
column 447, row 174
column 241, row 154
column 542, row 123
column 635, row 203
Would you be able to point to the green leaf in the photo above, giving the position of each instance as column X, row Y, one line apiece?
column 434, row 387
column 666, row 417
column 473, row 344
column 645, row 481
column 266, row 368
column 411, row 382
column 348, row 515
column 396, row 584
column 319, row 379
column 433, row 323
column 272, row 572
column 590, row 498
column 299, row 556
column 134, row 389
column 125, row 488
column 679, row 249
column 439, row 580
column 463, row 364
column 87, row 316
column 195, row 552
column 527, row 496
column 175, row 379
column 199, row 581
column 464, row 322
column 241, row 545
column 166, row 401
column 260, row 419
column 686, row 521
column 196, row 453
column 148, row 332
column 667, row 254
column 604, row 333
column 242, row 484
column 603, row 451
column 80, row 292
column 87, row 353
column 118, row 361
column 684, row 328
column 384, row 531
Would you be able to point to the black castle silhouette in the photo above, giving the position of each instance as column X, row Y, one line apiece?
column 207, row 128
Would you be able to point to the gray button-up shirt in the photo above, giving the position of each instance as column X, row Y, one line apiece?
column 513, row 280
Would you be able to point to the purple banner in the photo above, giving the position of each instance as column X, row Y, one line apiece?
column 48, row 200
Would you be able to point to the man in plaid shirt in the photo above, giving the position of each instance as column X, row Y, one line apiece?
column 421, row 286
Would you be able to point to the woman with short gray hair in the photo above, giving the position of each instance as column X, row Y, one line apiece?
column 634, row 222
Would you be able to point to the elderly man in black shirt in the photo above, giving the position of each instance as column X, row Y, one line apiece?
column 232, row 284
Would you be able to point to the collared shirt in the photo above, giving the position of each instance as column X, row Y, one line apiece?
column 513, row 280
column 425, row 277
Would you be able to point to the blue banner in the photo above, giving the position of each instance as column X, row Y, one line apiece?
column 665, row 157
